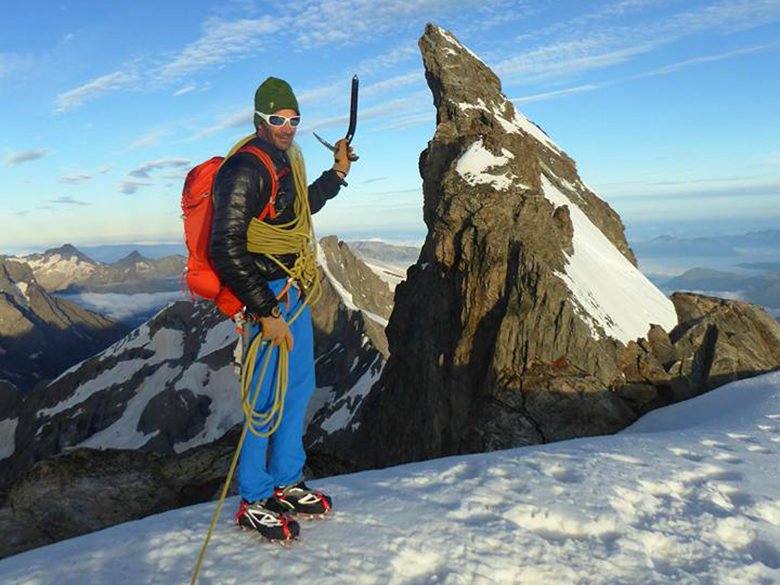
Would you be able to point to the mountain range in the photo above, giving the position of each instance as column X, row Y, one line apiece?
column 171, row 384
column 68, row 270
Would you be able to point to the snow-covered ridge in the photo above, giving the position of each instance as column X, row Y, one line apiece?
column 692, row 499
column 56, row 263
column 517, row 123
column 449, row 38
column 608, row 290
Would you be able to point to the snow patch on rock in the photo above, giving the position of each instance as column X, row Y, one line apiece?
column 120, row 373
column 222, row 386
column 351, row 400
column 23, row 286
column 518, row 123
column 449, row 38
column 476, row 163
column 124, row 433
column 609, row 292
column 8, row 437
column 218, row 337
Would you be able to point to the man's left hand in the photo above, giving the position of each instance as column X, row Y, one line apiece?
column 341, row 156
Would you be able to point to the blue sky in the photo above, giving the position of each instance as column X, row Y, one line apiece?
column 669, row 107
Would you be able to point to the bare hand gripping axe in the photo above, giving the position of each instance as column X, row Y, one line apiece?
column 352, row 122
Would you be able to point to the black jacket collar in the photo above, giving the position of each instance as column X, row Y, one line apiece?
column 279, row 157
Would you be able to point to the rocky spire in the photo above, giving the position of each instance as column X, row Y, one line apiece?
column 508, row 328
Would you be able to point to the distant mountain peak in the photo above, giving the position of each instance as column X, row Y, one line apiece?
column 132, row 258
column 68, row 251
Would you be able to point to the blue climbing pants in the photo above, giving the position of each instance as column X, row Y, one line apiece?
column 275, row 461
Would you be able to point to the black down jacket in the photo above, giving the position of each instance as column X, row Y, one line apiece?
column 242, row 189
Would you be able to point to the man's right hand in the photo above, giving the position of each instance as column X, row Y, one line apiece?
column 276, row 330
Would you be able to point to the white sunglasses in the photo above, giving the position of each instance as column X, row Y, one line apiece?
column 279, row 121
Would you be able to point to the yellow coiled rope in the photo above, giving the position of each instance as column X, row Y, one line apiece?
column 296, row 237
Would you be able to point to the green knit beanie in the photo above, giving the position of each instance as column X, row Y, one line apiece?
column 274, row 94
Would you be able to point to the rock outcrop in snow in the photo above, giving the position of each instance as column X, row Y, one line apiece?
column 518, row 323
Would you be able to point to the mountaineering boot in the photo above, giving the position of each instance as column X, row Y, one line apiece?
column 301, row 500
column 271, row 524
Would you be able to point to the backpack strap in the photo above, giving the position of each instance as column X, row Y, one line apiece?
column 270, row 209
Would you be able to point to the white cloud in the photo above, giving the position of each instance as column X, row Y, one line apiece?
column 707, row 59
column 68, row 201
column 176, row 175
column 142, row 172
column 565, row 58
column 773, row 158
column 312, row 96
column 556, row 94
column 184, row 90
column 395, row 82
column 9, row 63
column 408, row 121
column 392, row 108
column 26, row 156
column 151, row 139
column 241, row 119
column 76, row 178
column 592, row 41
column 119, row 80
column 221, row 43
column 131, row 187
column 321, row 22
column 406, row 50
column 121, row 307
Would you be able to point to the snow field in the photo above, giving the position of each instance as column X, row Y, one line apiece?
column 656, row 504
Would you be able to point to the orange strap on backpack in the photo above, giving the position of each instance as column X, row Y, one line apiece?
column 197, row 208
column 270, row 209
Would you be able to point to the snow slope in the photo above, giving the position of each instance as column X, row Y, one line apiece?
column 688, row 495
column 609, row 291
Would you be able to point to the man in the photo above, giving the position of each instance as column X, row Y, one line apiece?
column 270, row 481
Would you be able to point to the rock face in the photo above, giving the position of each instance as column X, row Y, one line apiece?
column 350, row 348
column 41, row 335
column 90, row 489
column 720, row 341
column 525, row 319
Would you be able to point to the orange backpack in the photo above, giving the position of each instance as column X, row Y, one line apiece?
column 198, row 210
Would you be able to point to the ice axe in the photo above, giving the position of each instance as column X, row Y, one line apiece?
column 352, row 124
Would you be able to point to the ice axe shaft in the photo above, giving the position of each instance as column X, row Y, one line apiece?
column 353, row 104
column 352, row 121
